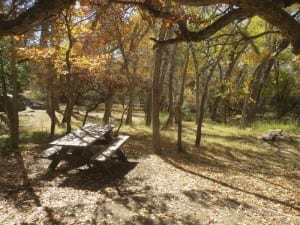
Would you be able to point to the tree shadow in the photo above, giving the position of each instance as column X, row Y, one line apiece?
column 136, row 204
column 94, row 178
column 218, row 157
column 21, row 193
column 225, row 184
column 209, row 199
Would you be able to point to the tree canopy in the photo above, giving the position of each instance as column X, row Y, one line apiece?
column 279, row 13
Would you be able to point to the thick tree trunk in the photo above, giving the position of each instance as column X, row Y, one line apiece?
column 156, row 101
column 12, row 109
column 260, row 75
column 156, row 89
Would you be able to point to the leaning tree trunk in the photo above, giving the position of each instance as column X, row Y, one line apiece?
column 204, row 97
column 260, row 76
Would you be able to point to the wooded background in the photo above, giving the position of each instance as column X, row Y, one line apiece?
column 219, row 59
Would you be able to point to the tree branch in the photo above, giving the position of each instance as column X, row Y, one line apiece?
column 40, row 12
column 186, row 35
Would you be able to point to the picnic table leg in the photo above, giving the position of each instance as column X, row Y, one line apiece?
column 108, row 137
column 121, row 155
column 54, row 163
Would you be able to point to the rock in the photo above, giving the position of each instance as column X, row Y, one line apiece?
column 276, row 135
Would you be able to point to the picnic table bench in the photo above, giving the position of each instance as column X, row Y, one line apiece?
column 91, row 143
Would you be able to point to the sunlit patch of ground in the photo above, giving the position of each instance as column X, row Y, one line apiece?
column 236, row 178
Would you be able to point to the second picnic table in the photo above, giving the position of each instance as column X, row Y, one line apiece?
column 90, row 143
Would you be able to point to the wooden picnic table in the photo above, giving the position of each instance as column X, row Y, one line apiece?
column 90, row 143
column 85, row 136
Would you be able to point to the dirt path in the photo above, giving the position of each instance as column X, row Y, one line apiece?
column 147, row 191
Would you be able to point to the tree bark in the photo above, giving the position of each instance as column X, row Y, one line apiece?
column 204, row 96
column 51, row 103
column 131, row 92
column 148, row 108
column 171, row 109
column 71, row 92
column 180, row 103
column 12, row 108
column 197, row 88
column 156, row 100
column 108, row 106
column 156, row 87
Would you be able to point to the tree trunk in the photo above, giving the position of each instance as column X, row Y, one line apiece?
column 282, row 93
column 52, row 103
column 156, row 88
column 67, row 117
column 12, row 108
column 201, row 115
column 204, row 97
column 108, row 106
column 156, row 101
column 148, row 108
column 243, row 121
column 70, row 81
column 198, row 75
column 171, row 110
column 260, row 75
column 180, row 103
column 131, row 92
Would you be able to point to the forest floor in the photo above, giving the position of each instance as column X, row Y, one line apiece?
column 236, row 178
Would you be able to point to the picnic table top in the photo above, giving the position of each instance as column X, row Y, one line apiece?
column 84, row 136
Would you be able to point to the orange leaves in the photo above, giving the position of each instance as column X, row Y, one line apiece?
column 168, row 23
column 35, row 54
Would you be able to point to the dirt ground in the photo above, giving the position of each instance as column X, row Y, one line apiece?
column 217, row 186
